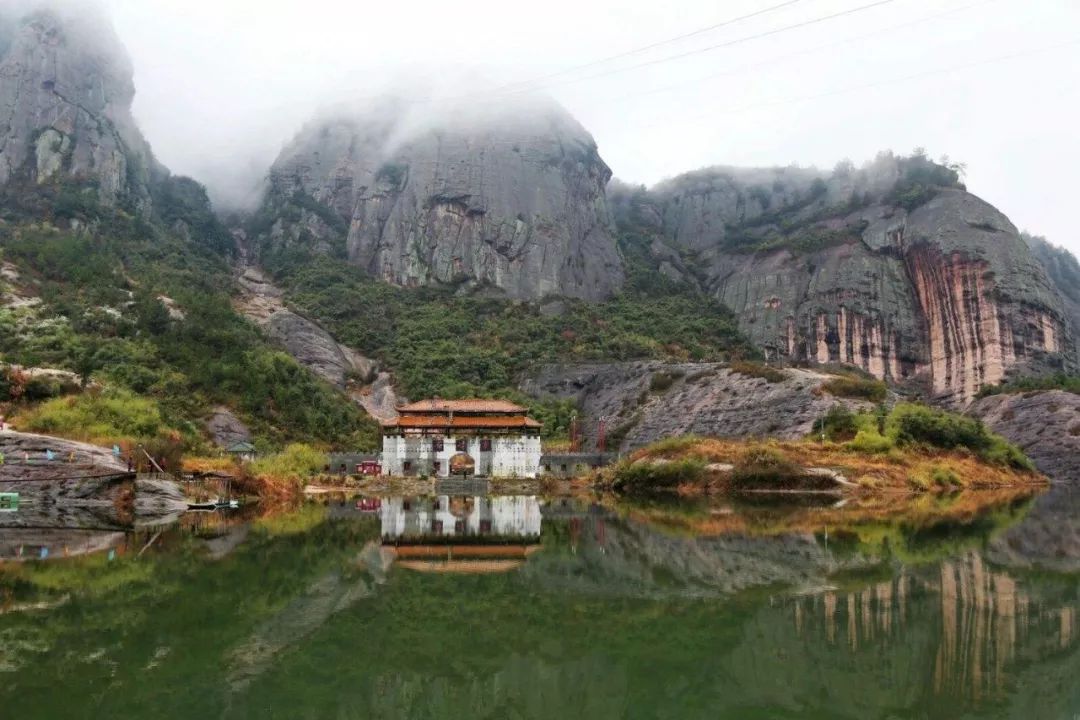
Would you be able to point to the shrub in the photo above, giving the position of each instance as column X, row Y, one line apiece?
column 945, row 477
column 763, row 466
column 858, row 388
column 838, row 424
column 757, row 370
column 917, row 424
column 673, row 444
column 296, row 462
column 867, row 441
column 662, row 381
column 643, row 476
column 1060, row 381
column 111, row 416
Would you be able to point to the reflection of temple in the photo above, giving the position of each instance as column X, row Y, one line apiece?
column 461, row 534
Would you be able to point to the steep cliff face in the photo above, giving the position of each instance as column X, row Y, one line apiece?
column 1063, row 269
column 65, row 97
column 510, row 198
column 894, row 268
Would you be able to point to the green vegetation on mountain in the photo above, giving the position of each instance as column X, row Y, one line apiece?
column 454, row 342
column 1060, row 381
column 142, row 305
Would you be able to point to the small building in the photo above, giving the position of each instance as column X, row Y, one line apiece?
column 498, row 437
column 353, row 464
column 242, row 450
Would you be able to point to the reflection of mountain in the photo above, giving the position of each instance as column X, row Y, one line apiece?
column 596, row 552
column 1049, row 537
column 959, row 634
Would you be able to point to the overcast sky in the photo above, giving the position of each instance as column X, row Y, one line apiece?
column 222, row 84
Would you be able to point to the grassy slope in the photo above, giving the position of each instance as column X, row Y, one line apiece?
column 101, row 317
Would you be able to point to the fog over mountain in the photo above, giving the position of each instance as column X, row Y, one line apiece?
column 223, row 86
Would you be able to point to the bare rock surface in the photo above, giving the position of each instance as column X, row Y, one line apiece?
column 226, row 429
column 1046, row 426
column 701, row 398
column 65, row 104
column 510, row 197
column 311, row 345
column 26, row 458
column 939, row 292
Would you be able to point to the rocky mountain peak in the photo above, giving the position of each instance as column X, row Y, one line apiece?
column 893, row 267
column 65, row 104
column 506, row 196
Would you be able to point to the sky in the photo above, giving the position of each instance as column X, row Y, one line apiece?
column 995, row 84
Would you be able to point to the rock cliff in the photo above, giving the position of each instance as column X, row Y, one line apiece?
column 65, row 105
column 1063, row 269
column 894, row 268
column 642, row 402
column 1046, row 426
column 510, row 198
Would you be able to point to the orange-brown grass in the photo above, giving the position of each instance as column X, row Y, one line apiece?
column 904, row 470
column 209, row 464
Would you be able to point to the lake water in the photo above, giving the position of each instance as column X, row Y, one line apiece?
column 526, row 607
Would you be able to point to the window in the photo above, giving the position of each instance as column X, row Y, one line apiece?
column 436, row 466
column 436, row 526
column 461, row 445
column 485, row 526
column 436, row 444
column 407, row 466
column 459, row 527
column 485, row 445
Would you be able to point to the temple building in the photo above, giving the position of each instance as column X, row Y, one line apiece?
column 440, row 438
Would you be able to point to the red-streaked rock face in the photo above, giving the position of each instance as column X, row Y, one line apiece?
column 934, row 289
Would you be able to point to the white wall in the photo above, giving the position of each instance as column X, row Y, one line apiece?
column 509, row 456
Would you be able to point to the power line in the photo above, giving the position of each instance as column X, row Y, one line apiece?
column 890, row 81
column 651, row 46
column 808, row 51
column 719, row 46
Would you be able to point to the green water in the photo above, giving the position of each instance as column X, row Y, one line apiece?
column 615, row 613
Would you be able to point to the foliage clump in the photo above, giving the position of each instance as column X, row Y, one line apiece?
column 111, row 416
column 295, row 463
column 856, row 388
column 643, row 475
column 913, row 426
column 762, row 466
column 1058, row 381
column 758, row 370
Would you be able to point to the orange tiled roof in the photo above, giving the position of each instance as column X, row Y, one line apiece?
column 463, row 422
column 466, row 406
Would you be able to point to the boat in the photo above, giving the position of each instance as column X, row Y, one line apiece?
column 9, row 502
